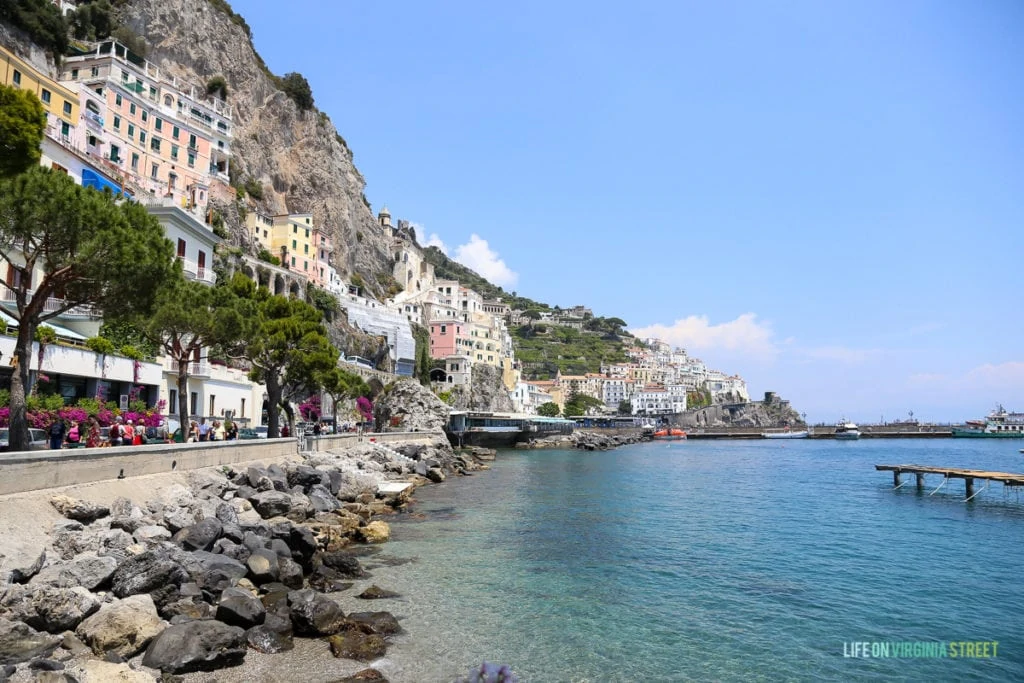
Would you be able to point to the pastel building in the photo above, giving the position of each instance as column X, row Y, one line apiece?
column 164, row 138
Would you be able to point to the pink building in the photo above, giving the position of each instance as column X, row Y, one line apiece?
column 449, row 338
column 319, row 273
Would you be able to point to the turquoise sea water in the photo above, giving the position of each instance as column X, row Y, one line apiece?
column 708, row 560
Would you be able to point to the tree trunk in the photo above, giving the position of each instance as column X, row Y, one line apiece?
column 183, row 398
column 273, row 405
column 291, row 417
column 18, row 435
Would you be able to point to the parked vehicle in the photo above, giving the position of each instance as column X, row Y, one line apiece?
column 38, row 440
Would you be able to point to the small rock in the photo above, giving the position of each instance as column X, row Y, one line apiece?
column 375, row 532
column 201, row 535
column 363, row 676
column 152, row 534
column 20, row 642
column 268, row 641
column 240, row 608
column 263, row 566
column 375, row 592
column 24, row 574
column 358, row 645
column 98, row 671
column 381, row 623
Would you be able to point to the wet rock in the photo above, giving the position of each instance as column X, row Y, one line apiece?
column 240, row 608
column 435, row 474
column 268, row 641
column 313, row 614
column 290, row 572
column 375, row 532
column 272, row 504
column 375, row 592
column 303, row 543
column 201, row 535
column 344, row 563
column 146, row 572
column 358, row 645
column 79, row 510
column 21, row 643
column 327, row 580
column 381, row 623
column 123, row 627
column 196, row 646
column 23, row 574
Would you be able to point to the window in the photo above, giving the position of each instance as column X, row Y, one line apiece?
column 131, row 130
column 131, row 109
column 45, row 96
column 91, row 141
column 293, row 261
column 444, row 329
column 65, row 129
column 115, row 153
column 145, row 115
column 241, row 413
column 307, row 230
column 95, row 71
column 305, row 265
column 193, row 403
column 191, row 159
column 135, row 162
column 17, row 77
column 67, row 109
column 294, row 245
column 158, row 123
column 174, row 152
column 181, row 248
column 154, row 144
column 74, row 74
column 154, row 171
column 168, row 101
column 172, row 181
column 152, row 93
column 175, row 132
column 295, row 229
column 117, row 123
column 117, row 99
column 305, row 248
column 142, row 137
column 172, row 405
column 192, row 141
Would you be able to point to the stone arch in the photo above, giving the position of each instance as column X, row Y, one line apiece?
column 248, row 271
column 294, row 290
column 279, row 285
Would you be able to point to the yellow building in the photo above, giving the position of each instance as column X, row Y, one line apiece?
column 61, row 104
column 292, row 242
column 261, row 228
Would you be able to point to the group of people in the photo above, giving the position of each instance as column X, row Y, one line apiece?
column 217, row 431
column 75, row 434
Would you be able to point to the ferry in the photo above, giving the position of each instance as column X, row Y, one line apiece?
column 846, row 430
column 666, row 434
column 999, row 424
column 496, row 430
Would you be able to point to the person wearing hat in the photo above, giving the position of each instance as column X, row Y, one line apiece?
column 116, row 432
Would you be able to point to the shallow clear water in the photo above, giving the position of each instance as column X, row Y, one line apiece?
column 708, row 560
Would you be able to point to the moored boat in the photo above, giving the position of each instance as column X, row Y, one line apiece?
column 669, row 434
column 846, row 430
column 999, row 424
column 786, row 434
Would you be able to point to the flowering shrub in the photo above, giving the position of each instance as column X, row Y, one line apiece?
column 365, row 408
column 310, row 409
column 41, row 411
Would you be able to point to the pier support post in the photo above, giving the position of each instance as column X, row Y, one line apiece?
column 896, row 478
column 920, row 480
column 969, row 483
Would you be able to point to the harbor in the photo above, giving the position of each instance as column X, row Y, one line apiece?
column 881, row 431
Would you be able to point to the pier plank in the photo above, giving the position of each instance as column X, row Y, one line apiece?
column 1007, row 478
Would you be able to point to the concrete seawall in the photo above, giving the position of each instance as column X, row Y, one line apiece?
column 33, row 471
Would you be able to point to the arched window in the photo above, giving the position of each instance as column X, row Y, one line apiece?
column 168, row 101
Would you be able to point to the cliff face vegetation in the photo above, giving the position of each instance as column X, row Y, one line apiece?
column 292, row 154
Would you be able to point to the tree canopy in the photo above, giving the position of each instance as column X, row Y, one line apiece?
column 548, row 409
column 70, row 246
column 580, row 404
column 22, row 124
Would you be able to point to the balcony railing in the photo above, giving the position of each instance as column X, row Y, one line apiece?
column 194, row 271
column 52, row 304
column 195, row 369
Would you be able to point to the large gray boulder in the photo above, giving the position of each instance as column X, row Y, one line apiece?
column 201, row 535
column 196, row 646
column 146, row 572
column 56, row 610
column 271, row 504
column 124, row 627
column 88, row 571
column 412, row 407
column 240, row 608
column 314, row 614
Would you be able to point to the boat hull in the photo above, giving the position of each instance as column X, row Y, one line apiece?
column 847, row 436
column 784, row 435
column 981, row 434
column 669, row 438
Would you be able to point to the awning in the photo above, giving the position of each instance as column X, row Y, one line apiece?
column 59, row 329
column 93, row 179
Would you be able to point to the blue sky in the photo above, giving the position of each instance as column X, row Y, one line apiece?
column 826, row 198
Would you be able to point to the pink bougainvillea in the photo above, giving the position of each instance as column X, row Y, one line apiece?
column 365, row 408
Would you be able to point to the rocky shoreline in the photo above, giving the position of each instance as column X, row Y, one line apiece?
column 587, row 440
column 198, row 576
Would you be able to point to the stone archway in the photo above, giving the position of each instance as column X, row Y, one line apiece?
column 279, row 284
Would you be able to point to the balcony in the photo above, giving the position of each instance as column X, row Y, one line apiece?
column 193, row 271
column 7, row 299
column 195, row 369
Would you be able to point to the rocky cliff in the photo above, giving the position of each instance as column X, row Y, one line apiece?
column 298, row 157
column 758, row 414
column 485, row 391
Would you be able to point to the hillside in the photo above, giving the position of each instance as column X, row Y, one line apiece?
column 447, row 269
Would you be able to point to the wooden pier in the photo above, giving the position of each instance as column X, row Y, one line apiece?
column 948, row 473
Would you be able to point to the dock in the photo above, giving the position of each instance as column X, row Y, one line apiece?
column 1007, row 478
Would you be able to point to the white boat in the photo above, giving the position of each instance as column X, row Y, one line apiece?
column 846, row 430
column 786, row 434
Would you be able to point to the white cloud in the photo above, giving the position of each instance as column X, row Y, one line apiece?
column 1008, row 376
column 428, row 241
column 696, row 333
column 478, row 255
